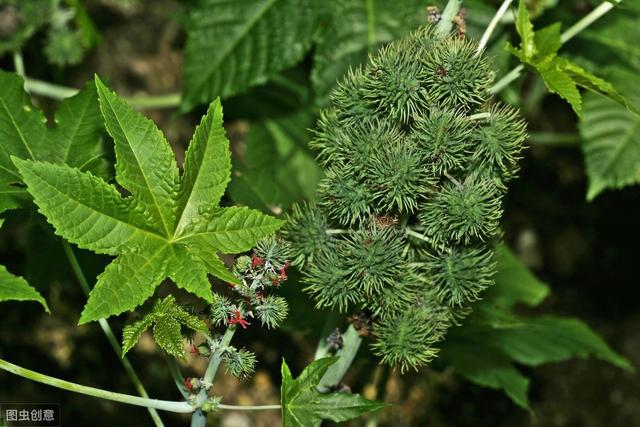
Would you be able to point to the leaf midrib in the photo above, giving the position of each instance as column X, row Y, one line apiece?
column 146, row 181
column 235, row 41
column 22, row 138
column 72, row 135
column 628, row 137
column 81, row 202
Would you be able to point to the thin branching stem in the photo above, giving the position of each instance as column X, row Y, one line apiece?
column 199, row 417
column 492, row 25
column 108, row 332
column 163, row 405
column 579, row 26
column 58, row 92
column 249, row 407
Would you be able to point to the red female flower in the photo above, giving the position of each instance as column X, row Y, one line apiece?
column 237, row 319
column 256, row 261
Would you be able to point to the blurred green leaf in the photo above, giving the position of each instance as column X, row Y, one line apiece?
column 234, row 45
column 276, row 168
column 493, row 339
column 611, row 137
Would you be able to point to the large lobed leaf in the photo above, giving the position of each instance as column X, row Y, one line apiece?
column 357, row 28
column 14, row 288
column 561, row 76
column 234, row 45
column 487, row 347
column 278, row 168
column 74, row 140
column 304, row 405
column 611, row 137
column 142, row 229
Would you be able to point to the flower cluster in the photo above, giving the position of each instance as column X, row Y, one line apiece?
column 417, row 159
column 264, row 270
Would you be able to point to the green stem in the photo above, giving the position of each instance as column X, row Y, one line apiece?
column 106, row 328
column 480, row 116
column 18, row 63
column 331, row 231
column 58, row 92
column 443, row 28
column 199, row 418
column 579, row 26
column 163, row 405
column 249, row 407
column 492, row 25
column 350, row 344
column 174, row 369
column 507, row 79
column 588, row 19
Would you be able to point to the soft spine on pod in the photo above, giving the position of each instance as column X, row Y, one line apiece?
column 416, row 162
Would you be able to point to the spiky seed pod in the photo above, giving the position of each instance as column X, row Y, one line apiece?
column 348, row 98
column 273, row 249
column 396, row 298
column 272, row 311
column 408, row 338
column 397, row 177
column 499, row 142
column 306, row 231
column 456, row 77
column 375, row 258
column 408, row 152
column 330, row 138
column 328, row 284
column 220, row 309
column 445, row 137
column 344, row 197
column 394, row 84
column 240, row 362
column 459, row 275
column 463, row 212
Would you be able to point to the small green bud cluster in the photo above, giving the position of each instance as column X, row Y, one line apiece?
column 264, row 270
column 417, row 161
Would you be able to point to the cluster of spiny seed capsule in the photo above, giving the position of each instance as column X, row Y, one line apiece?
column 416, row 162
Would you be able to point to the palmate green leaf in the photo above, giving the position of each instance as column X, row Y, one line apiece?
column 611, row 136
column 234, row 45
column 145, row 163
column 86, row 210
column 357, row 28
column 74, row 140
column 14, row 288
column 487, row 347
column 141, row 229
column 167, row 318
column 229, row 230
column 487, row 367
column 22, row 127
column 303, row 405
column 207, row 168
column 77, row 135
column 278, row 168
column 524, row 27
column 514, row 283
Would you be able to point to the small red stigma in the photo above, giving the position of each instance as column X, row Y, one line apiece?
column 256, row 261
column 283, row 271
column 187, row 384
column 237, row 319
